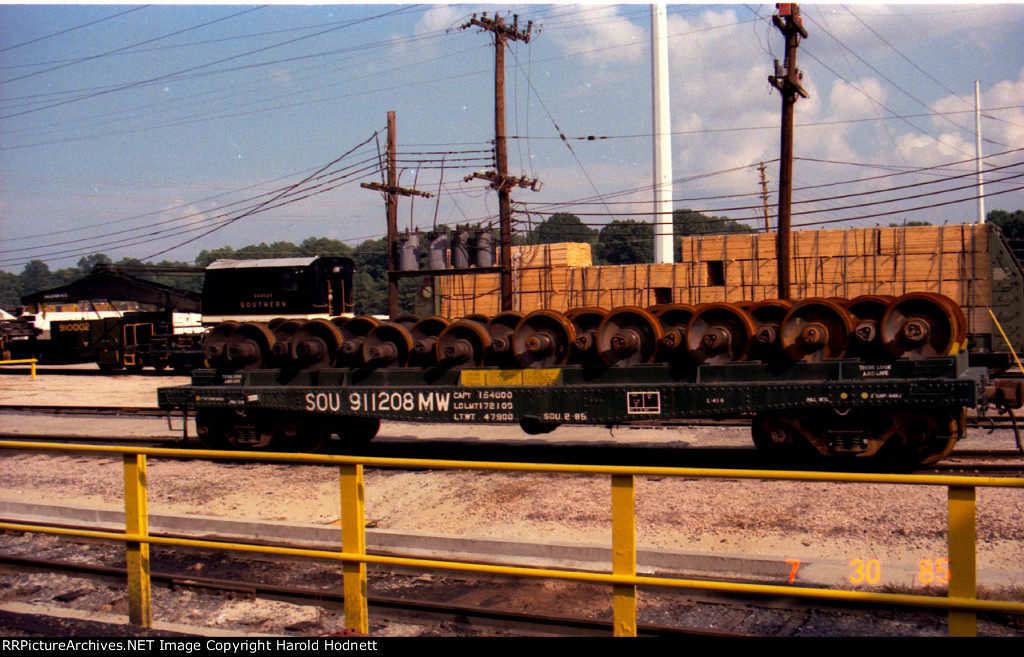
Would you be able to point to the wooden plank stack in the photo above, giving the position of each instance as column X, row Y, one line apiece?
column 952, row 260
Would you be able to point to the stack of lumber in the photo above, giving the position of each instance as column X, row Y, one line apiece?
column 952, row 260
column 537, row 279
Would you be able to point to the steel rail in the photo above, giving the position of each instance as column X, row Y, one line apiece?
column 333, row 598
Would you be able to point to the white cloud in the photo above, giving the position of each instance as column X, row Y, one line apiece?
column 605, row 38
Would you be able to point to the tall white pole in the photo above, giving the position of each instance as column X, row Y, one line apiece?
column 663, row 252
column 977, row 151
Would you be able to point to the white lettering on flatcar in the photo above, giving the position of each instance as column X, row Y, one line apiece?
column 362, row 402
column 323, row 401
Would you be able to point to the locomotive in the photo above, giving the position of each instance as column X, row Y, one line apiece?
column 870, row 377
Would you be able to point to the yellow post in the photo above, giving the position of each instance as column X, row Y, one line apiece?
column 962, row 558
column 353, row 541
column 136, row 521
column 33, row 368
column 623, row 553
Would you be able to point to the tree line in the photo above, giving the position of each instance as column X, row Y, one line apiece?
column 619, row 242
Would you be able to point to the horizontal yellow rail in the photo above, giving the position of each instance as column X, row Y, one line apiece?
column 962, row 601
column 22, row 361
column 591, row 577
column 381, row 462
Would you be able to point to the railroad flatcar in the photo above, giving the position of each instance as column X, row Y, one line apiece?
column 882, row 376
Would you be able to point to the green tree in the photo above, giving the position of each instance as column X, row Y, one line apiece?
column 1011, row 223
column 10, row 290
column 562, row 227
column 691, row 222
column 625, row 242
column 324, row 246
column 35, row 276
column 86, row 263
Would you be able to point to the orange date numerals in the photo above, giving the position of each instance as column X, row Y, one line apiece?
column 865, row 572
column 934, row 572
column 794, row 564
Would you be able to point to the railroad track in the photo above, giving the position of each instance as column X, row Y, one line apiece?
column 447, row 603
column 382, row 608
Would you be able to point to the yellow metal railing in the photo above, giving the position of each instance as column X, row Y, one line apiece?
column 962, row 601
column 22, row 361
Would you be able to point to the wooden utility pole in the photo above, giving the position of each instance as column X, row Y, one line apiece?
column 787, row 81
column 764, row 197
column 500, row 180
column 391, row 193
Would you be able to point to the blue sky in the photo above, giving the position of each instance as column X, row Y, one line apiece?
column 158, row 131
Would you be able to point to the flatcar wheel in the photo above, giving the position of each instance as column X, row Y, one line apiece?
column 500, row 328
column 767, row 316
column 315, row 344
column 919, row 325
column 674, row 319
column 462, row 343
column 543, row 339
column 866, row 339
column 298, row 434
column 215, row 344
column 357, row 431
column 719, row 333
column 212, row 429
column 250, row 346
column 585, row 321
column 387, row 345
column 920, row 438
column 773, row 434
column 951, row 427
column 628, row 336
column 816, row 329
column 424, row 341
column 354, row 334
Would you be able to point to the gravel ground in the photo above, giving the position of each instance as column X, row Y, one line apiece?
column 894, row 525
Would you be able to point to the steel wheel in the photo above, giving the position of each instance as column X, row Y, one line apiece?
column 215, row 344
column 628, row 336
column 387, row 345
column 585, row 322
column 424, row 337
column 295, row 433
column 284, row 331
column 315, row 345
column 866, row 339
column 816, row 329
column 767, row 315
column 408, row 321
column 919, row 325
column 500, row 328
column 462, row 343
column 543, row 339
column 674, row 319
column 719, row 333
column 249, row 346
column 212, row 428
column 354, row 334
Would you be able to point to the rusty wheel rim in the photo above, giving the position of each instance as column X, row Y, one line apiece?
column 628, row 336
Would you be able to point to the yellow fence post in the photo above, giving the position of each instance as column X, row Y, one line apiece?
column 353, row 541
column 140, row 603
column 624, row 553
column 962, row 558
